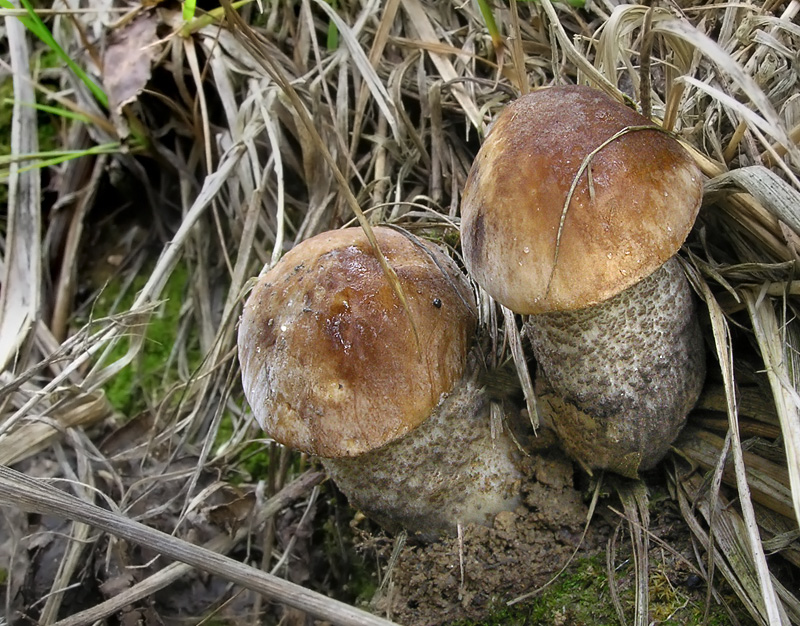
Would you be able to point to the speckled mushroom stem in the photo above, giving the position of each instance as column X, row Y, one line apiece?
column 618, row 379
column 449, row 470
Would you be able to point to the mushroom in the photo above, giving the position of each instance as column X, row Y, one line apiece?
column 334, row 365
column 611, row 316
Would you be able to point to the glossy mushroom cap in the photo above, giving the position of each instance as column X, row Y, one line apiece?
column 331, row 363
column 646, row 191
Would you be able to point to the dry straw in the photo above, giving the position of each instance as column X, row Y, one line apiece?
column 258, row 135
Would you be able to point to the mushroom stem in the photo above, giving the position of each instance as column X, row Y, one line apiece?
column 450, row 470
column 617, row 379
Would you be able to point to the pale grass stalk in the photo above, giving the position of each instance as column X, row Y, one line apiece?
column 426, row 33
column 591, row 74
column 34, row 435
column 142, row 305
column 773, row 610
column 33, row 495
column 361, row 61
column 779, row 363
column 22, row 268
column 515, row 345
column 220, row 544
column 772, row 124
column 274, row 141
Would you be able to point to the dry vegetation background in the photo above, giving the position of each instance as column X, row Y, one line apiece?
column 215, row 141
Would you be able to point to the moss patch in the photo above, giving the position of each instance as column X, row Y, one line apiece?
column 251, row 461
column 136, row 386
column 581, row 597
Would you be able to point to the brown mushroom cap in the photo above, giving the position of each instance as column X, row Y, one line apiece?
column 646, row 194
column 330, row 361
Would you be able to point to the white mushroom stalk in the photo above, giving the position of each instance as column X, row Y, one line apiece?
column 572, row 214
column 334, row 365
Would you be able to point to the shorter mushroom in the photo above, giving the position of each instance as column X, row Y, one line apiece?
column 572, row 214
column 333, row 364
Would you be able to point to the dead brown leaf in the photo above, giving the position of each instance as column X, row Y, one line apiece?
column 128, row 59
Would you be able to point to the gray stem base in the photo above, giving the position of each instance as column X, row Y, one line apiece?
column 449, row 470
column 618, row 379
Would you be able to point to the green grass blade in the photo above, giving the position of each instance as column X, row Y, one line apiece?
column 189, row 9
column 61, row 112
column 491, row 24
column 35, row 24
column 31, row 25
column 332, row 42
column 53, row 157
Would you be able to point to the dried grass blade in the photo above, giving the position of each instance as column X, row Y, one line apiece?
column 224, row 88
column 709, row 48
column 613, row 585
column 73, row 558
column 768, row 481
column 169, row 258
column 375, row 53
column 34, row 436
column 302, row 114
column 67, row 279
column 790, row 601
column 220, row 544
column 729, row 549
column 447, row 72
column 752, row 117
column 71, row 561
column 521, row 364
column 618, row 30
column 774, row 193
column 633, row 495
column 212, row 185
column 615, row 33
column 783, row 381
column 34, row 495
column 517, row 53
column 582, row 63
column 274, row 142
column 197, row 74
column 143, row 304
column 22, row 272
column 722, row 342
column 368, row 73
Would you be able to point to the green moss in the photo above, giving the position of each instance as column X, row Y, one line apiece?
column 362, row 584
column 6, row 109
column 48, row 58
column 148, row 375
column 580, row 597
column 255, row 459
column 251, row 462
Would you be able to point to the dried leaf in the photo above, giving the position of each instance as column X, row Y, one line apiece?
column 128, row 60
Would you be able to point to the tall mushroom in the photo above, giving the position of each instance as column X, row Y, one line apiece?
column 334, row 365
column 612, row 318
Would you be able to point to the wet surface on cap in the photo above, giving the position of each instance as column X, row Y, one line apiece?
column 331, row 363
column 634, row 203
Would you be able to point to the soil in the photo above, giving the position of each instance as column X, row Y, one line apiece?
column 465, row 578
column 469, row 580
